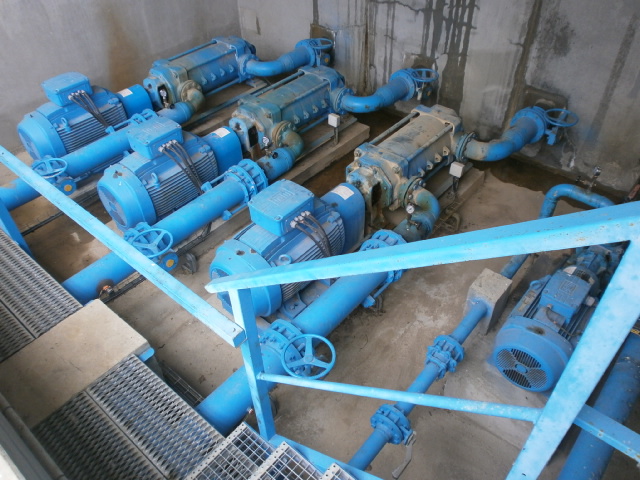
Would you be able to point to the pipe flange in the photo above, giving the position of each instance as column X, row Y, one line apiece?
column 462, row 145
column 538, row 115
column 393, row 422
column 278, row 132
column 186, row 87
column 337, row 97
column 243, row 61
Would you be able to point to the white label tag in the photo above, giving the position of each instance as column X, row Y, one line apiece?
column 221, row 132
column 125, row 93
column 344, row 191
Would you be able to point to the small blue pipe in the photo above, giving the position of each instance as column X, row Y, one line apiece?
column 111, row 270
column 549, row 206
column 87, row 158
column 401, row 86
column 431, row 372
column 527, row 126
column 590, row 456
column 423, row 219
column 227, row 405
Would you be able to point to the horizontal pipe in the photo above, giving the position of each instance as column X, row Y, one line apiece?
column 397, row 89
column 190, row 301
column 514, row 412
column 226, row 406
column 298, row 57
column 590, row 456
column 111, row 270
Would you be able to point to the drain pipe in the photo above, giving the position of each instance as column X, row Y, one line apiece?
column 549, row 206
column 390, row 423
column 590, row 456
column 77, row 164
column 310, row 52
column 402, row 85
column 228, row 404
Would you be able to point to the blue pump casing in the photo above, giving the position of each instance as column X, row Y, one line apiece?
column 148, row 185
column 60, row 126
column 205, row 67
column 274, row 239
column 300, row 101
column 540, row 334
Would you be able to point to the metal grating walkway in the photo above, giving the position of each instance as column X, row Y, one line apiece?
column 127, row 425
column 31, row 302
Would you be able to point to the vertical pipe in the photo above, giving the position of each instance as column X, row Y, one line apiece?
column 590, row 456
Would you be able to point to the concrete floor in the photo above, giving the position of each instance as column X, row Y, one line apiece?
column 384, row 348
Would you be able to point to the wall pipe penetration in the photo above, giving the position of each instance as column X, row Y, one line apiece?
column 590, row 456
column 434, row 369
column 549, row 206
column 228, row 404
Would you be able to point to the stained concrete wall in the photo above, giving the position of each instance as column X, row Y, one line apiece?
column 490, row 53
column 114, row 42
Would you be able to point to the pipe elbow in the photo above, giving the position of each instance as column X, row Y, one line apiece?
column 573, row 192
column 179, row 112
column 298, row 57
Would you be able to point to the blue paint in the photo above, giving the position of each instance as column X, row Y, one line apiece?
column 549, row 206
column 590, row 456
column 209, row 316
column 310, row 52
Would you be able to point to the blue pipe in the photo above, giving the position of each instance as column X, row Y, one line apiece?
column 590, row 456
column 527, row 126
column 422, row 221
column 227, row 405
column 111, row 270
column 549, row 206
column 401, row 86
column 88, row 158
column 432, row 371
column 303, row 54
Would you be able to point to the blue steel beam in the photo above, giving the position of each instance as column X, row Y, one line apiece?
column 594, row 227
column 612, row 320
column 226, row 329
column 515, row 412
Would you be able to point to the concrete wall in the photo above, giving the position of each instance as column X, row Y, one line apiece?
column 490, row 54
column 113, row 42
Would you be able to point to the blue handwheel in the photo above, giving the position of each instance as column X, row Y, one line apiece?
column 299, row 357
column 423, row 76
column 321, row 44
column 49, row 167
column 561, row 117
column 152, row 242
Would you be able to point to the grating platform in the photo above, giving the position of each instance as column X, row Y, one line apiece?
column 335, row 472
column 31, row 302
column 285, row 462
column 128, row 425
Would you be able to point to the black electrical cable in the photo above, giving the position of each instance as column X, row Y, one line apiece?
column 84, row 101
column 326, row 248
column 182, row 153
column 322, row 231
column 169, row 153
column 310, row 235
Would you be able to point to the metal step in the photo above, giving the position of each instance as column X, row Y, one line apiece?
column 237, row 457
column 129, row 424
column 31, row 302
column 286, row 463
column 336, row 472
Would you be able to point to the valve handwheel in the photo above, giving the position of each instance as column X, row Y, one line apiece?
column 312, row 366
column 561, row 117
column 152, row 242
column 321, row 44
column 424, row 75
column 49, row 167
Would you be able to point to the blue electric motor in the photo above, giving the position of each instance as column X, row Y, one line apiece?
column 165, row 171
column 290, row 226
column 204, row 68
column 304, row 98
column 76, row 115
column 537, row 339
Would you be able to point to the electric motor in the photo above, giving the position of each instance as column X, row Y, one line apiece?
column 290, row 226
column 539, row 336
column 165, row 171
column 76, row 115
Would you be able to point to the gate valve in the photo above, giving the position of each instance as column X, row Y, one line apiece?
column 154, row 243
column 299, row 357
column 424, row 78
column 558, row 118
column 54, row 171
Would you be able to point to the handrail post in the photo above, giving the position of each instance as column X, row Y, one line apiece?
column 242, row 305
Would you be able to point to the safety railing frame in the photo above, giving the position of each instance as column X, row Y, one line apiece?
column 612, row 320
